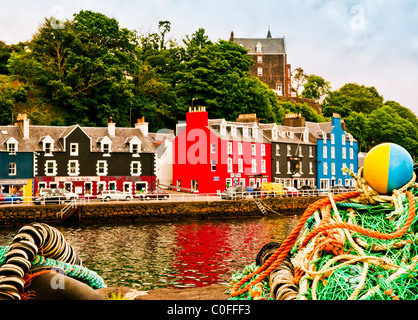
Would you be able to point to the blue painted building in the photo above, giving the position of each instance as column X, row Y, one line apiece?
column 336, row 149
column 16, row 160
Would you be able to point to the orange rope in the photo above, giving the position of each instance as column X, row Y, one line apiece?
column 368, row 232
column 276, row 258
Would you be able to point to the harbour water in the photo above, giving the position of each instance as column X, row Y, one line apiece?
column 181, row 254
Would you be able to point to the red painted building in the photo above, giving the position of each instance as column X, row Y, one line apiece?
column 208, row 154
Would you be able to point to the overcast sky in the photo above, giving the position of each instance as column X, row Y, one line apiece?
column 374, row 42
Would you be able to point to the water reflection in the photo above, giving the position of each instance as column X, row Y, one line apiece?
column 172, row 254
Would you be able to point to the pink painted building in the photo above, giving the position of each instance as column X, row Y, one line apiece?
column 208, row 154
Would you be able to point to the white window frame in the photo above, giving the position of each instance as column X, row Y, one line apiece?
column 240, row 165
column 289, row 169
column 325, row 169
column 260, row 71
column 325, row 152
column 343, row 138
column 289, row 150
column 259, row 59
column 342, row 167
column 136, row 168
column 263, row 149
column 277, row 150
column 230, row 165
column 344, row 153
column 73, row 164
column 332, row 152
column 212, row 165
column 254, row 165
column 333, row 168
column 240, row 148
column 311, row 168
column 12, row 168
column 54, row 167
column 310, row 152
column 73, row 149
column 213, row 148
column 12, row 147
column 98, row 168
column 253, row 149
column 277, row 167
column 332, row 138
column 351, row 153
column 263, row 166
column 229, row 147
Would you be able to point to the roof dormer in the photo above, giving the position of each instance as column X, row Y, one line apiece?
column 134, row 144
column 47, row 144
column 105, row 145
column 11, row 145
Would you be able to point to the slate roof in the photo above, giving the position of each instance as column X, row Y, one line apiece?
column 215, row 124
column 269, row 45
column 58, row 133
column 297, row 134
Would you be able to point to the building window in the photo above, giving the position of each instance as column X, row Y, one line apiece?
column 263, row 166
column 310, row 152
column 344, row 154
column 274, row 133
column 213, row 148
column 73, row 168
column 87, row 188
column 342, row 169
column 106, row 148
column 300, row 167
column 229, row 147
column 277, row 150
column 289, row 169
column 213, row 165
column 279, row 87
column 11, row 147
column 101, row 168
column 112, row 185
column 135, row 168
column 253, row 149
column 277, row 167
column 260, row 71
column 259, row 59
column 48, row 147
column 352, row 167
column 50, row 168
column 325, row 169
column 351, row 153
column 135, row 148
column 333, row 169
column 332, row 152
column 289, row 150
column 253, row 165
column 68, row 186
column 239, row 147
column 234, row 130
column 310, row 168
column 324, row 151
column 258, row 47
column 12, row 169
column 240, row 165
column 229, row 164
column 245, row 131
column 195, row 185
column 73, row 149
column 263, row 149
column 300, row 151
column 343, row 138
column 332, row 138
column 223, row 130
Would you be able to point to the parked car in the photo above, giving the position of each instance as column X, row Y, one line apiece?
column 308, row 190
column 50, row 198
column 155, row 194
column 107, row 195
column 232, row 193
column 293, row 192
column 273, row 188
column 68, row 195
column 10, row 198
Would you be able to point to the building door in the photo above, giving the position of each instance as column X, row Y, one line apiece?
column 195, row 185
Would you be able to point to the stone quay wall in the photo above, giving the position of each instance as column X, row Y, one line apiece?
column 97, row 213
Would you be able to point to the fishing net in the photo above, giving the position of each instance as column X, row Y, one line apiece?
column 353, row 246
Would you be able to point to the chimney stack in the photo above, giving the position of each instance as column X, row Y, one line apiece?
column 294, row 120
column 23, row 124
column 142, row 125
column 111, row 128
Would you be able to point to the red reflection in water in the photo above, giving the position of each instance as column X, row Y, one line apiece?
column 206, row 252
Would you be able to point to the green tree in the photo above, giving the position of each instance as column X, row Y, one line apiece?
column 316, row 88
column 6, row 110
column 352, row 97
column 299, row 78
column 357, row 125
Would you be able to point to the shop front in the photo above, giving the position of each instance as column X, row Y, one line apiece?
column 18, row 187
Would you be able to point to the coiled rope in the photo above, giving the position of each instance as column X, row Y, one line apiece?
column 39, row 244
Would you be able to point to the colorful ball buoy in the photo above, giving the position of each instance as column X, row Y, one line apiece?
column 387, row 167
